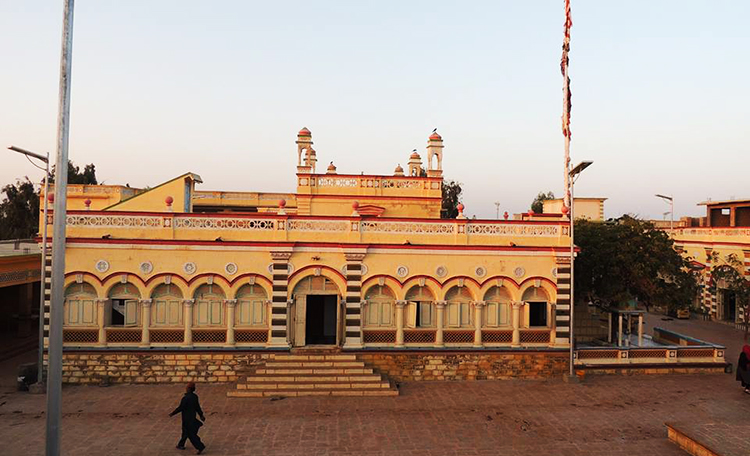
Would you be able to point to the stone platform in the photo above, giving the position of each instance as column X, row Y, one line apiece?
column 711, row 439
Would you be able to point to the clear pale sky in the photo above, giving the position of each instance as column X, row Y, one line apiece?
column 661, row 93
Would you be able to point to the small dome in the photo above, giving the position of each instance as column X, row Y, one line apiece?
column 304, row 132
column 436, row 136
column 399, row 169
column 415, row 156
column 331, row 168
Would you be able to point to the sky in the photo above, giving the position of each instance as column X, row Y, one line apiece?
column 661, row 95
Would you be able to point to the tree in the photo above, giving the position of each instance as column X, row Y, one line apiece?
column 726, row 274
column 19, row 210
column 538, row 204
column 76, row 176
column 628, row 258
column 451, row 198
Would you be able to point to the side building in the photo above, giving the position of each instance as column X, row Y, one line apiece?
column 352, row 262
column 710, row 242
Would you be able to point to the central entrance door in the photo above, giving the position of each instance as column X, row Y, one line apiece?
column 320, row 321
column 316, row 313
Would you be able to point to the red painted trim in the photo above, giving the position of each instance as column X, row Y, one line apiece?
column 461, row 277
column 85, row 273
column 163, row 274
column 362, row 197
column 420, row 276
column 322, row 267
column 251, row 274
column 505, row 278
column 543, row 279
column 738, row 244
column 377, row 276
column 266, row 215
column 319, row 244
column 372, row 176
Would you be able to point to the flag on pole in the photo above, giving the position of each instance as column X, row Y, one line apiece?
column 564, row 61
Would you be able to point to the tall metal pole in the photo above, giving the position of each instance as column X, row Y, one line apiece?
column 572, row 272
column 671, row 211
column 40, row 356
column 54, row 378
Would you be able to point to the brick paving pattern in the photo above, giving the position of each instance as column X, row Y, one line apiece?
column 605, row 415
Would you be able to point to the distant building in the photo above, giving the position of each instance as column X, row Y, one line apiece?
column 588, row 208
column 20, row 272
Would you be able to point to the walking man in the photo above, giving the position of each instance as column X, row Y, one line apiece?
column 189, row 406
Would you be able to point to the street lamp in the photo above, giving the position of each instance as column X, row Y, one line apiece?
column 670, row 200
column 45, row 159
column 573, row 174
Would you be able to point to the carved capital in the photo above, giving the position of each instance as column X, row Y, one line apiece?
column 230, row 302
column 441, row 304
column 354, row 257
column 479, row 304
column 517, row 304
column 188, row 302
column 146, row 302
column 281, row 256
column 101, row 302
column 401, row 304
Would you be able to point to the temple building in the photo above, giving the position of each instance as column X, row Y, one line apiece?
column 360, row 264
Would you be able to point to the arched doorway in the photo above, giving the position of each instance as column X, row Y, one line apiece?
column 727, row 305
column 316, row 315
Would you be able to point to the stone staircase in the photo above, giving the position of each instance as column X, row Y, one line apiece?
column 307, row 374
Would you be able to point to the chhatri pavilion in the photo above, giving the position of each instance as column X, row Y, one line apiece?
column 358, row 264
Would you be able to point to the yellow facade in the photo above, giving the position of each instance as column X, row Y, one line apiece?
column 357, row 261
column 708, row 241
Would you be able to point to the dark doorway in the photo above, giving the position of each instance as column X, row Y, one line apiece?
column 320, row 325
column 730, row 305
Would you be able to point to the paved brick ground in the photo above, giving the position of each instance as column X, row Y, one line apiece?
column 605, row 415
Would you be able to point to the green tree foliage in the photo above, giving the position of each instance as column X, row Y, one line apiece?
column 451, row 198
column 76, row 176
column 727, row 274
column 19, row 210
column 538, row 204
column 628, row 258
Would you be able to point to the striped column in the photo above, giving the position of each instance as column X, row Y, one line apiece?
column 709, row 299
column 47, row 304
column 353, row 300
column 746, row 270
column 280, row 298
column 562, row 307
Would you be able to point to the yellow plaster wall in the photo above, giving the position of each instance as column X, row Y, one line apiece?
column 153, row 200
column 588, row 208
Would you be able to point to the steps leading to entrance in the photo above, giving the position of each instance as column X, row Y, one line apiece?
column 297, row 374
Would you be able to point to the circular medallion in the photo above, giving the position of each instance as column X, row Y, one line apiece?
column 480, row 271
column 147, row 267
column 402, row 271
column 189, row 268
column 519, row 271
column 230, row 268
column 441, row 271
column 102, row 266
